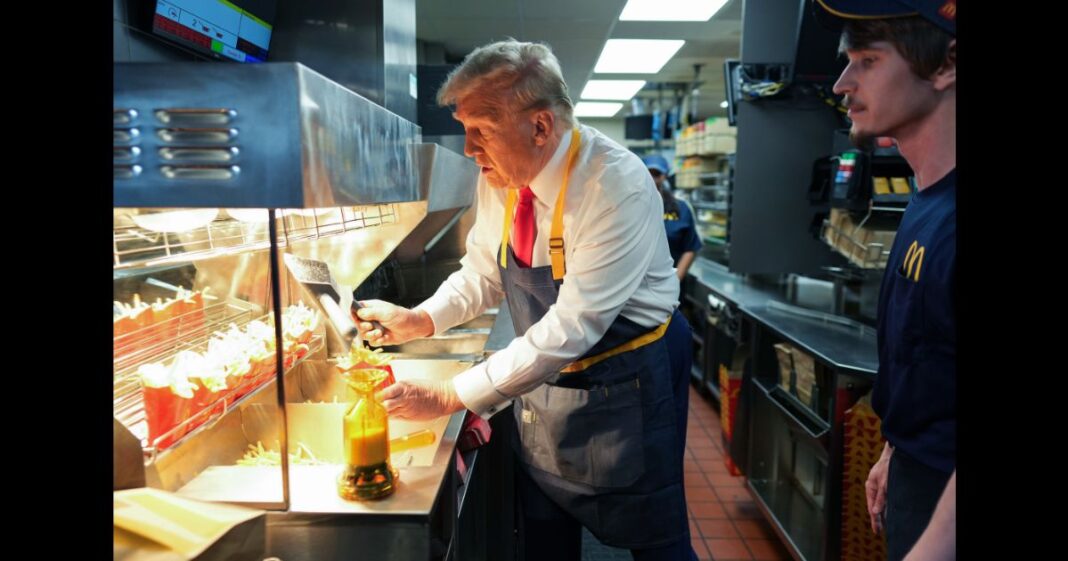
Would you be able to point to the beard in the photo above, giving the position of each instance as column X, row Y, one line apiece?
column 860, row 139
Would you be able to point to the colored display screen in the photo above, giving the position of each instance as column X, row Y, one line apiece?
column 238, row 30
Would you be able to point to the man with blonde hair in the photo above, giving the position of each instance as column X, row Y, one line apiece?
column 569, row 233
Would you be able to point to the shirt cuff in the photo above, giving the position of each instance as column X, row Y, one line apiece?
column 476, row 391
column 441, row 313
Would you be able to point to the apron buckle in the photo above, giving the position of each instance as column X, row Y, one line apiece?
column 528, row 416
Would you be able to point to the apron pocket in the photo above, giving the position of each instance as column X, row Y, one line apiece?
column 593, row 437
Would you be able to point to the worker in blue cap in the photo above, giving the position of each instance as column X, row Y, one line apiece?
column 901, row 82
column 683, row 239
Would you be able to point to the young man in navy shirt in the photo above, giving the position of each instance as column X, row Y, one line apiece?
column 900, row 82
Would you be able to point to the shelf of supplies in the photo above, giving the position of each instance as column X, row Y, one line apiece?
column 715, row 240
column 710, row 206
column 864, row 255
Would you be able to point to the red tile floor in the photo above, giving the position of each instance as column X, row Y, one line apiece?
column 725, row 523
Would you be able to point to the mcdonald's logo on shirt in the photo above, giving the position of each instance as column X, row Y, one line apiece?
column 949, row 10
column 913, row 263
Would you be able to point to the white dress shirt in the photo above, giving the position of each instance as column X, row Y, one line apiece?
column 617, row 262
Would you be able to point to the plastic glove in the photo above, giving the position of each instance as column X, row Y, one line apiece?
column 420, row 400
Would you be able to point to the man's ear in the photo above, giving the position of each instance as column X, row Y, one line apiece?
column 946, row 75
column 543, row 125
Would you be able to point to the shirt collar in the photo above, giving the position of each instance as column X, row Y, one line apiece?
column 547, row 183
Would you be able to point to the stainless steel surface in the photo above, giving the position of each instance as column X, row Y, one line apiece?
column 314, row 537
column 814, row 294
column 200, row 173
column 432, row 251
column 200, row 154
column 197, row 136
column 127, row 172
column 318, row 427
column 311, row 143
column 845, row 344
column 314, row 488
column 451, row 342
column 821, row 317
column 430, row 245
column 446, row 179
column 127, row 135
column 755, row 488
column 815, row 428
column 732, row 287
column 126, row 153
column 839, row 341
column 781, row 451
column 124, row 116
column 128, row 470
column 195, row 117
column 315, row 492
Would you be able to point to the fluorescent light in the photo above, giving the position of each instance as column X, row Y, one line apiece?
column 612, row 89
column 723, row 104
column 636, row 56
column 597, row 108
column 670, row 10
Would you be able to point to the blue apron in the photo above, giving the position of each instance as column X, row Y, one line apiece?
column 603, row 442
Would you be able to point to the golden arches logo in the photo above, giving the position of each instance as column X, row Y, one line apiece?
column 949, row 10
column 913, row 261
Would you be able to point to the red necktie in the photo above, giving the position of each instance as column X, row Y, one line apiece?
column 524, row 230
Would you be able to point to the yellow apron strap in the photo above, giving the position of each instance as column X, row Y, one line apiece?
column 556, row 234
column 509, row 208
column 652, row 336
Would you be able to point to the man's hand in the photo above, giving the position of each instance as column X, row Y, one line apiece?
column 876, row 488
column 420, row 400
column 399, row 325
